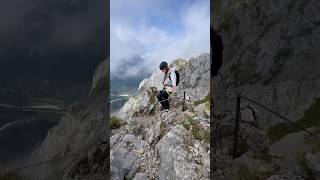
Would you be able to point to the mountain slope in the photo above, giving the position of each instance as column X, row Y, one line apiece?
column 151, row 144
column 271, row 56
column 82, row 127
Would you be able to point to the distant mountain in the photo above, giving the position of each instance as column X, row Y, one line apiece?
column 123, row 86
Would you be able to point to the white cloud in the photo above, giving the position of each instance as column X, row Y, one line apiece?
column 154, row 44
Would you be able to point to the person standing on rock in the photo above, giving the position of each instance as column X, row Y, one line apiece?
column 170, row 82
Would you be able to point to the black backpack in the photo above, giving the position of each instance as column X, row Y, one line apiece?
column 178, row 77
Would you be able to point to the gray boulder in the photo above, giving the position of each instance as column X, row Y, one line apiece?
column 175, row 160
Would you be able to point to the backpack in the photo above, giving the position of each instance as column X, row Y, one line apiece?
column 177, row 76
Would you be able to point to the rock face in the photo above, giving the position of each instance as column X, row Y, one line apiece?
column 83, row 126
column 172, row 144
column 100, row 74
column 271, row 56
column 175, row 158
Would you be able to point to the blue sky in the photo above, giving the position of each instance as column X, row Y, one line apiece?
column 149, row 31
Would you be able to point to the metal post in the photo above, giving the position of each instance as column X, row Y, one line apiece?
column 184, row 98
column 236, row 129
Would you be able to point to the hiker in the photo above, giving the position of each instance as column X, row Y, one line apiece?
column 217, row 52
column 170, row 82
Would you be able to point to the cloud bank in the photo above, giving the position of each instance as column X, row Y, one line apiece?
column 143, row 33
column 63, row 39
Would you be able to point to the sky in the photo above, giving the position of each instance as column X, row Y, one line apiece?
column 145, row 32
column 63, row 39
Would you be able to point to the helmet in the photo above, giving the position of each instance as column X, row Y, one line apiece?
column 163, row 65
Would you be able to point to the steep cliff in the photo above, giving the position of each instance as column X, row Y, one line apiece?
column 82, row 127
column 271, row 56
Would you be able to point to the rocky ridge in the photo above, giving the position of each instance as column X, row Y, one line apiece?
column 195, row 78
column 174, row 144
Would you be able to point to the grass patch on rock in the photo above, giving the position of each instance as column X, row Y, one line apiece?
column 198, row 133
column 116, row 122
column 314, row 142
column 206, row 99
column 152, row 93
column 276, row 132
column 311, row 118
column 162, row 129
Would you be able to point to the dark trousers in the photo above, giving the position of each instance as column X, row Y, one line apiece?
column 163, row 98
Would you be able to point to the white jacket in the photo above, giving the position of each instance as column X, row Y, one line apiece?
column 173, row 77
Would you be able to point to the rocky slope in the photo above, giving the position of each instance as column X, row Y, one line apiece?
column 83, row 126
column 147, row 143
column 271, row 55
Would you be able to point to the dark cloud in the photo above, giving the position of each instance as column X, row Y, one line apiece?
column 53, row 39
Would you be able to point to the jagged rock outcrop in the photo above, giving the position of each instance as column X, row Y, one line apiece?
column 83, row 126
column 195, row 78
column 271, row 56
column 166, row 147
column 99, row 76
column 172, row 144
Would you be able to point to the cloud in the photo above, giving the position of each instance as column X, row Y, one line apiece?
column 146, row 34
column 65, row 38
